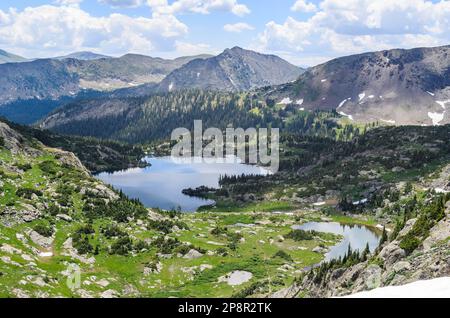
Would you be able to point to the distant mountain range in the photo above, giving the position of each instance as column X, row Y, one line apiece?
column 6, row 57
column 395, row 87
column 235, row 69
column 132, row 75
column 51, row 79
column 84, row 56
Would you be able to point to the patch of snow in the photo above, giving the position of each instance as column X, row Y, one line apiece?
column 170, row 87
column 443, row 102
column 319, row 204
column 236, row 278
column 434, row 288
column 362, row 96
column 436, row 117
column 299, row 102
column 302, row 108
column 324, row 80
column 343, row 102
column 371, row 96
column 389, row 121
column 198, row 75
column 345, row 115
column 285, row 101
column 430, row 93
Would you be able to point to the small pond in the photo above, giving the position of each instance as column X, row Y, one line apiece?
column 357, row 236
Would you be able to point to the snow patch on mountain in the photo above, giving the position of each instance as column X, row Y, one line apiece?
column 285, row 101
column 434, row 288
column 343, row 103
column 436, row 117
column 346, row 115
column 443, row 102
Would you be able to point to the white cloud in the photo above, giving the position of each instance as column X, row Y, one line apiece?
column 189, row 49
column 238, row 27
column 354, row 26
column 122, row 3
column 303, row 6
column 74, row 3
column 49, row 30
column 198, row 6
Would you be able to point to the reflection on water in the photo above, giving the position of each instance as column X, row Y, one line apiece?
column 357, row 236
column 160, row 185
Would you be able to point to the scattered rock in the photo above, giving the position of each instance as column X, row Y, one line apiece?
column 64, row 217
column 109, row 294
column 42, row 241
column 320, row 250
column 392, row 253
column 103, row 283
column 193, row 254
column 401, row 267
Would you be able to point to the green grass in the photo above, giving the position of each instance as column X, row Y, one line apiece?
column 367, row 221
column 266, row 206
column 412, row 174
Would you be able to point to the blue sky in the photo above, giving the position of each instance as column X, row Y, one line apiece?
column 304, row 32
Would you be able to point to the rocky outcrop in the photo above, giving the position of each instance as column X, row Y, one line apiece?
column 12, row 140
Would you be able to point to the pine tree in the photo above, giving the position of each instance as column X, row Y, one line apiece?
column 384, row 236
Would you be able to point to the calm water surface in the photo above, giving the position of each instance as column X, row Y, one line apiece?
column 160, row 185
column 357, row 236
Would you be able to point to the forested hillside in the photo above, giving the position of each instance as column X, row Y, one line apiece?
column 141, row 120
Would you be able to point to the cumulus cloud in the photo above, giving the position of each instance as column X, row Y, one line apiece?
column 303, row 6
column 354, row 26
column 189, row 49
column 238, row 27
column 48, row 30
column 123, row 3
column 198, row 6
column 68, row 2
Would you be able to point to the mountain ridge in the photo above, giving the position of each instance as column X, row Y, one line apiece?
column 234, row 69
column 393, row 86
column 6, row 57
column 82, row 55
